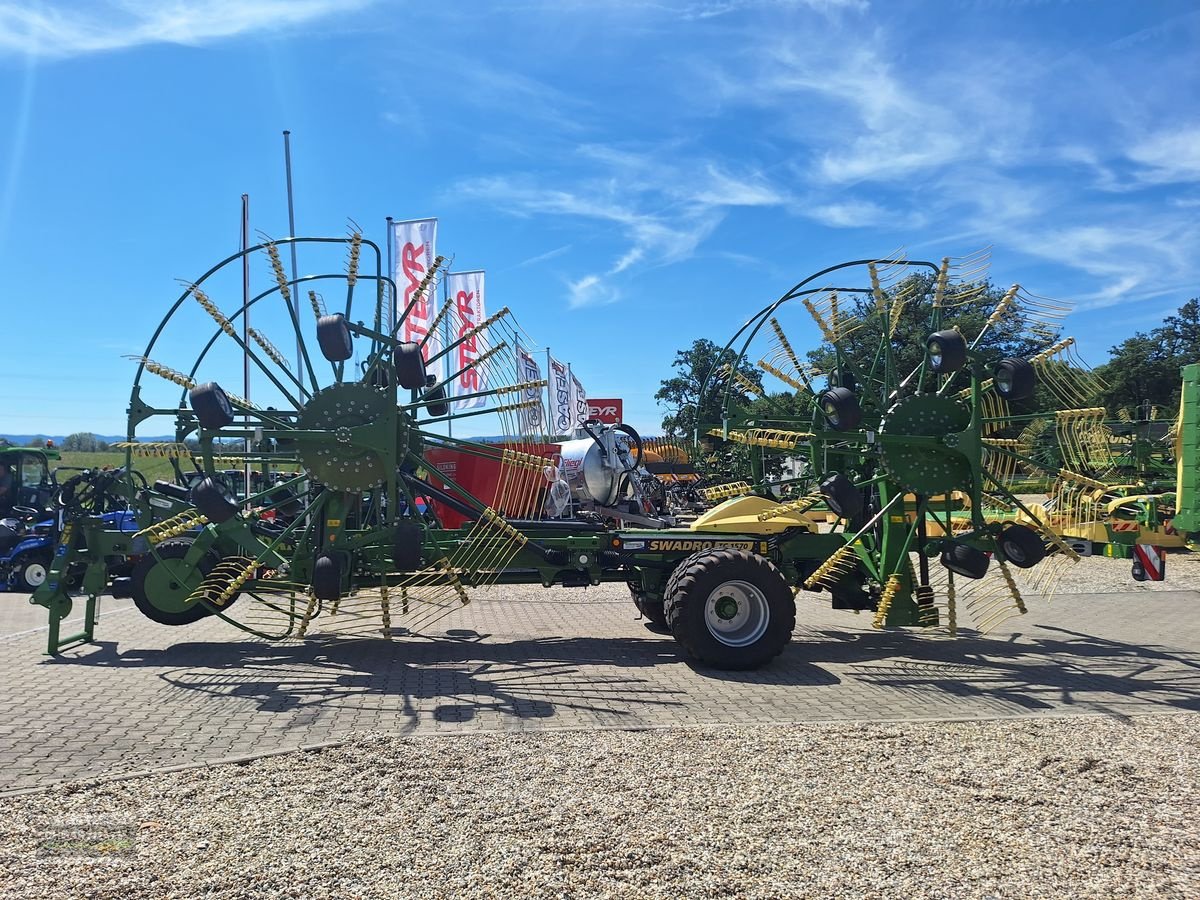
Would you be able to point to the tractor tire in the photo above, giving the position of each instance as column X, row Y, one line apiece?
column 842, row 377
column 334, row 338
column 730, row 609
column 947, row 351
column 841, row 408
column 407, row 546
column 436, row 392
column 653, row 611
column 327, row 578
column 211, row 405
column 30, row 570
column 1014, row 379
column 410, row 366
column 159, row 585
column 841, row 496
column 965, row 560
column 1022, row 546
column 214, row 500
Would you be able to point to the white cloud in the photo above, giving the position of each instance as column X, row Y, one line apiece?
column 851, row 214
column 62, row 30
column 590, row 290
column 1169, row 156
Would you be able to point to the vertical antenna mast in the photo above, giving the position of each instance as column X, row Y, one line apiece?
column 287, row 164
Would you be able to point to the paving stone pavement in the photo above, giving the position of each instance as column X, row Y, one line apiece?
column 146, row 695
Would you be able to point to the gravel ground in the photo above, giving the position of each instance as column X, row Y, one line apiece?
column 1082, row 807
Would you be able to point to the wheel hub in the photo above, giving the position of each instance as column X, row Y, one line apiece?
column 343, row 460
column 737, row 613
column 926, row 468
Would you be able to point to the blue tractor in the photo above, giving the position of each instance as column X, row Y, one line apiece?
column 31, row 515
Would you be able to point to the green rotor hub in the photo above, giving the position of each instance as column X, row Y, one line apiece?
column 169, row 584
column 351, row 457
column 926, row 467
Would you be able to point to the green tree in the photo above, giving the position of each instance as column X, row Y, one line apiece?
column 1144, row 369
column 680, row 393
column 83, row 441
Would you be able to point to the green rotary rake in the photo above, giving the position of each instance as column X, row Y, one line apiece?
column 311, row 507
column 911, row 434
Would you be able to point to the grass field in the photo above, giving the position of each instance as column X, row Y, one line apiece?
column 153, row 467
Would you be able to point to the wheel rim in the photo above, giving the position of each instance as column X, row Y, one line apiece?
column 831, row 414
column 1014, row 553
column 935, row 354
column 169, row 583
column 35, row 574
column 737, row 613
column 1004, row 383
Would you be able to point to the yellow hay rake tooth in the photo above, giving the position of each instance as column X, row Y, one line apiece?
column 782, row 376
column 318, row 304
column 172, row 527
column 281, row 278
column 352, row 262
column 167, row 449
column 224, row 581
column 725, row 491
column 746, row 384
column 209, row 307
column 268, row 348
column 165, row 372
column 885, row 601
column 839, row 563
column 804, row 504
column 770, row 437
column 309, row 609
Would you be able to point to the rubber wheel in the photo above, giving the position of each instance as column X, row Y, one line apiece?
column 730, row 609
column 211, row 405
column 653, row 611
column 1022, row 546
column 214, row 500
column 159, row 587
column 841, row 409
column 947, row 351
column 30, row 571
column 962, row 559
column 407, row 546
column 843, row 377
column 1014, row 379
column 409, row 366
column 842, row 497
column 334, row 338
column 436, row 392
column 327, row 578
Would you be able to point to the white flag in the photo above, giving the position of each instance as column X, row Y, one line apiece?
column 414, row 246
column 579, row 404
column 562, row 414
column 466, row 293
column 533, row 418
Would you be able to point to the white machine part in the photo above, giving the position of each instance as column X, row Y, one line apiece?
column 601, row 472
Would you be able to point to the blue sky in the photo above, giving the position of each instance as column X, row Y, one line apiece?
column 632, row 175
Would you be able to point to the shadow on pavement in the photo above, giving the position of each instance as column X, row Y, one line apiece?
column 1053, row 668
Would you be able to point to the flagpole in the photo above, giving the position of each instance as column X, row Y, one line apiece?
column 445, row 326
column 391, row 273
column 246, row 330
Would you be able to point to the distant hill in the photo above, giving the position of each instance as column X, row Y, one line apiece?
column 22, row 439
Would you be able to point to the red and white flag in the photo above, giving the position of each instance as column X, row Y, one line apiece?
column 414, row 246
column 466, row 295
